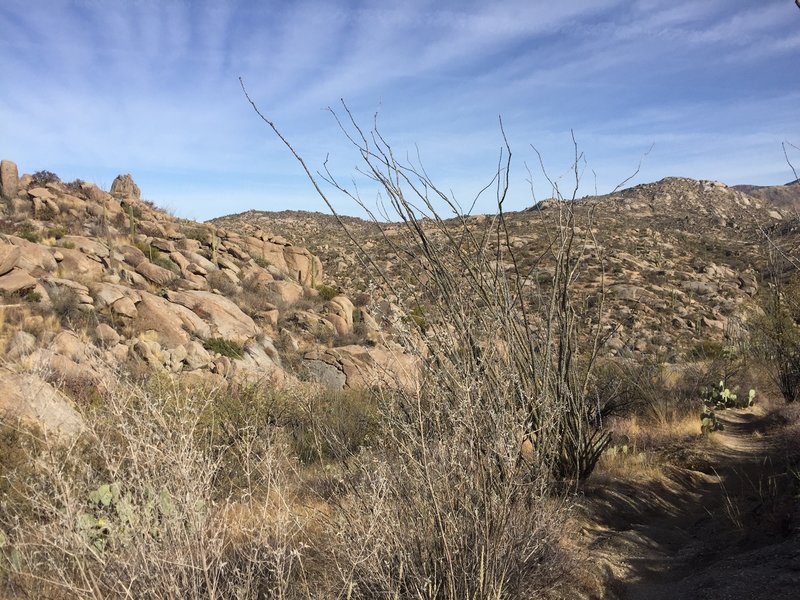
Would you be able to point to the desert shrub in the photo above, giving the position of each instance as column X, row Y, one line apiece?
column 261, row 261
column 355, row 337
column 46, row 213
column 133, row 210
column 648, row 388
column 8, row 226
column 708, row 350
column 121, row 221
column 42, row 178
column 17, row 445
column 27, row 231
column 361, row 300
column 166, row 262
column 614, row 385
column 229, row 348
column 253, row 301
column 470, row 452
column 155, row 256
column 227, row 417
column 66, row 302
column 30, row 235
column 218, row 280
column 57, row 232
column 327, row 425
column 777, row 338
column 327, row 292
column 418, row 318
column 76, row 186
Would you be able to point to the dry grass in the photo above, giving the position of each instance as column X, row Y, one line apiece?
column 636, row 453
column 166, row 533
column 646, row 433
column 22, row 317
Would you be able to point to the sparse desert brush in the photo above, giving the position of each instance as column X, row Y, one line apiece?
column 76, row 187
column 30, row 232
column 65, row 304
column 155, row 256
column 634, row 466
column 327, row 425
column 327, row 292
column 130, row 509
column 225, row 347
column 460, row 497
column 218, row 280
column 42, row 178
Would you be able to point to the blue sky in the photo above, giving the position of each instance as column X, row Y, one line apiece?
column 93, row 88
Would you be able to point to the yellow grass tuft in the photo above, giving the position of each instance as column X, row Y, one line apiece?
column 642, row 459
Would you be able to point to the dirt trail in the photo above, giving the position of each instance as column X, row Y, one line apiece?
column 724, row 523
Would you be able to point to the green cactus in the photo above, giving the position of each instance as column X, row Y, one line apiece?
column 104, row 495
column 709, row 422
column 214, row 246
column 113, row 517
column 313, row 273
column 132, row 219
column 721, row 397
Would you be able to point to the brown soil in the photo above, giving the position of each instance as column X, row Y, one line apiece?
column 724, row 521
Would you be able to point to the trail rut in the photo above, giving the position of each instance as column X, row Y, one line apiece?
column 724, row 523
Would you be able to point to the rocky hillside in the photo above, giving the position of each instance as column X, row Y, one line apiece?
column 681, row 261
column 786, row 197
column 94, row 283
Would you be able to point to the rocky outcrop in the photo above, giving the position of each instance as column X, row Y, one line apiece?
column 34, row 258
column 285, row 293
column 124, row 187
column 30, row 399
column 298, row 263
column 157, row 275
column 99, row 281
column 225, row 318
column 16, row 280
column 9, row 180
column 168, row 323
column 362, row 367
column 9, row 256
column 339, row 312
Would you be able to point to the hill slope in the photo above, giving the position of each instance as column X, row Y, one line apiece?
column 680, row 260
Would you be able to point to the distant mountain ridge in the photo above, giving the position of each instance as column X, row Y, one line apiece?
column 785, row 197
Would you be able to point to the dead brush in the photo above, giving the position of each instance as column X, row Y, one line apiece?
column 445, row 505
column 130, row 509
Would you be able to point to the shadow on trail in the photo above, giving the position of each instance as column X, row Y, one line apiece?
column 724, row 523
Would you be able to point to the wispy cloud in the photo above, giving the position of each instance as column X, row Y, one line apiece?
column 91, row 89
